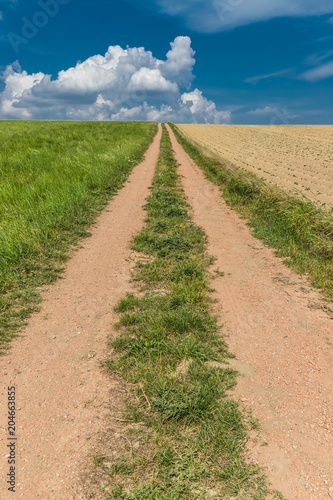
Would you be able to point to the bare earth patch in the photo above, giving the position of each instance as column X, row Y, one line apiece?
column 296, row 158
column 63, row 397
column 281, row 332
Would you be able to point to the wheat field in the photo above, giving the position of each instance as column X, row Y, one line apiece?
column 297, row 158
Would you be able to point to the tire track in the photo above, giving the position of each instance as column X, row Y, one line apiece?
column 283, row 347
column 63, row 396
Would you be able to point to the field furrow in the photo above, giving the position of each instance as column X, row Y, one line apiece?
column 296, row 158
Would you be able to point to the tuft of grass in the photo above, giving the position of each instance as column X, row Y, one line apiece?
column 55, row 177
column 192, row 442
column 299, row 231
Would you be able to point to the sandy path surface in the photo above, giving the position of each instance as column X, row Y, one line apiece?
column 282, row 340
column 62, row 394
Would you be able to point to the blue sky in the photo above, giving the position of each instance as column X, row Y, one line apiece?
column 230, row 61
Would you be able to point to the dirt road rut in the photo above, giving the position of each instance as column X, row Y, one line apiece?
column 282, row 341
column 62, row 394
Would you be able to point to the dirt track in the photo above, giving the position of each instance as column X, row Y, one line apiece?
column 282, row 342
column 63, row 396
column 283, row 347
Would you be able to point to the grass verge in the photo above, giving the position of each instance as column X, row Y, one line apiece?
column 300, row 232
column 190, row 436
column 55, row 178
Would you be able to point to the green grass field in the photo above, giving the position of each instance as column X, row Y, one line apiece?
column 54, row 179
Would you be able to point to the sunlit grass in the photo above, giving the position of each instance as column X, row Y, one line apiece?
column 54, row 179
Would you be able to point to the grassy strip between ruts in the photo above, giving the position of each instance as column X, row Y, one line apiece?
column 54, row 179
column 300, row 232
column 192, row 435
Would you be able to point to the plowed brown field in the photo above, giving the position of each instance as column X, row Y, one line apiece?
column 294, row 157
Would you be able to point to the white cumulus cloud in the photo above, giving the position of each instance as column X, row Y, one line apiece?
column 124, row 84
column 151, row 80
column 217, row 15
column 198, row 105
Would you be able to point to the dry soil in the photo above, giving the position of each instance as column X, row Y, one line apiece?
column 296, row 158
column 283, row 342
